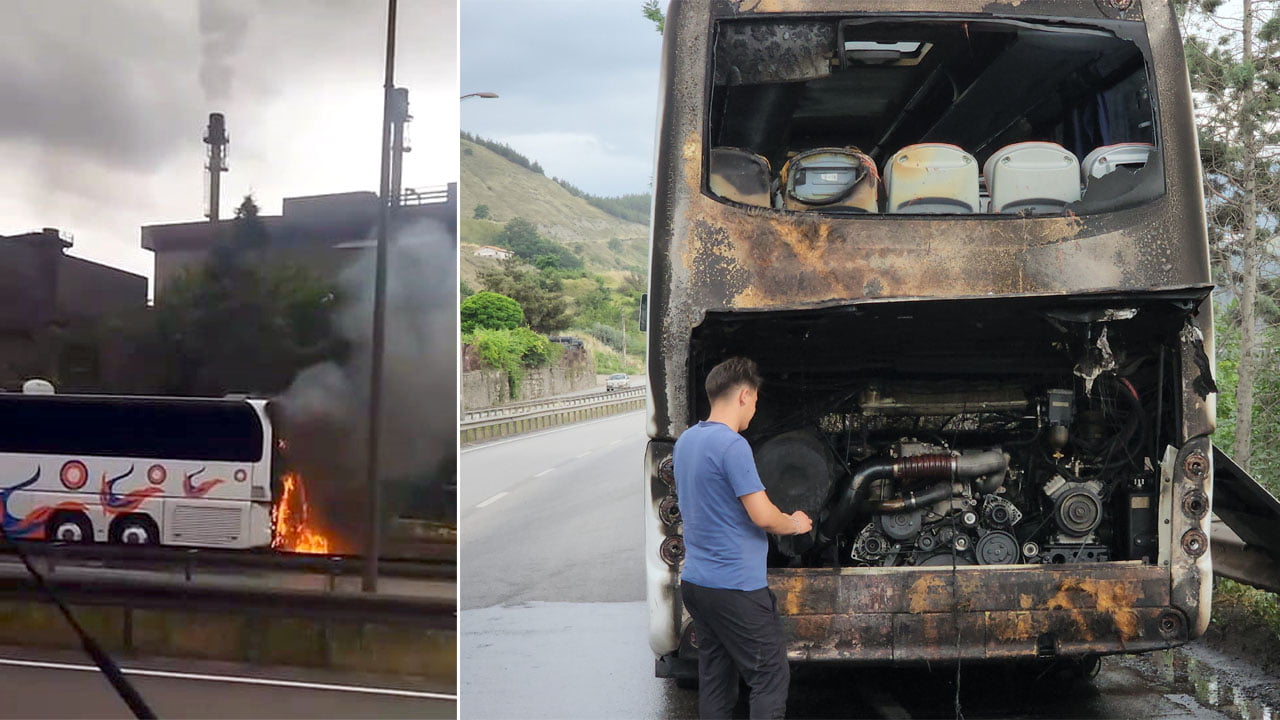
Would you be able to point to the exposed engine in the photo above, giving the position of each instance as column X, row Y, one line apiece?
column 947, row 472
column 995, row 431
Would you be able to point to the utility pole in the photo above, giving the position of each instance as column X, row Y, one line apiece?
column 373, row 547
column 624, row 338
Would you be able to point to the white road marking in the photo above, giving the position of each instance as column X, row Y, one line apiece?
column 493, row 499
column 579, row 456
column 236, row 680
column 545, row 472
column 615, row 442
column 529, row 436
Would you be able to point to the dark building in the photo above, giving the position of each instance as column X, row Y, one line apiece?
column 324, row 232
column 49, row 303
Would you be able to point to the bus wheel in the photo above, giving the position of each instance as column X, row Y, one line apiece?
column 136, row 530
column 70, row 527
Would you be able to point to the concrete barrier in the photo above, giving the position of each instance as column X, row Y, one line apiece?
column 356, row 646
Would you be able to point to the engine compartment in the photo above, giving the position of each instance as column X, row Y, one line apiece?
column 986, row 432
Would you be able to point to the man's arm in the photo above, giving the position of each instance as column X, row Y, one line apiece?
column 772, row 520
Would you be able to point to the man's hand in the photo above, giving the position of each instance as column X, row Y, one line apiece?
column 802, row 522
column 767, row 516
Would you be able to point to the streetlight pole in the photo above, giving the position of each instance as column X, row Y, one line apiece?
column 373, row 546
column 399, row 117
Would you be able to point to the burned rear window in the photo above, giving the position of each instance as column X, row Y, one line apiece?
column 930, row 117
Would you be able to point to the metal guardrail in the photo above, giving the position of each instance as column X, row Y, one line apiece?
column 1236, row 560
column 524, row 408
column 137, row 593
column 439, row 561
column 508, row 420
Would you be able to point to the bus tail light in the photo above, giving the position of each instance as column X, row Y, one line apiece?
column 672, row 551
column 1194, row 542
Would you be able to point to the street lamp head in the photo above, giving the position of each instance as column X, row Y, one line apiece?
column 488, row 95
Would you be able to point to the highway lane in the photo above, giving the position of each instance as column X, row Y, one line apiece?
column 531, row 507
column 63, row 684
column 553, row 620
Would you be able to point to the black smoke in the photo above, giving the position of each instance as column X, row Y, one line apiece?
column 324, row 412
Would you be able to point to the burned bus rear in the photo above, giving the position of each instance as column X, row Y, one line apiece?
column 965, row 242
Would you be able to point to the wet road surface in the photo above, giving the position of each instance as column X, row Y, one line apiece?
column 553, row 620
column 64, row 684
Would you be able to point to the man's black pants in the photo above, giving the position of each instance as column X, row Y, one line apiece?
column 738, row 634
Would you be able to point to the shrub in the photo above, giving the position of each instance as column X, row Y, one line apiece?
column 514, row 350
column 491, row 311
column 606, row 334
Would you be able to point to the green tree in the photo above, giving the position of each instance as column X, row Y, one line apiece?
column 1234, row 62
column 247, row 242
column 490, row 310
column 653, row 12
column 1266, row 408
column 522, row 238
column 236, row 323
column 597, row 306
column 541, row 295
column 547, row 262
column 210, row 333
column 481, row 212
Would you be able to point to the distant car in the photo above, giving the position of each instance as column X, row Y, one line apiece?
column 568, row 340
column 617, row 381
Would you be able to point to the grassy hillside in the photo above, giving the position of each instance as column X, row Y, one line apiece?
column 603, row 241
column 479, row 232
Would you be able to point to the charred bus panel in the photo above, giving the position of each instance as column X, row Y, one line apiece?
column 998, row 414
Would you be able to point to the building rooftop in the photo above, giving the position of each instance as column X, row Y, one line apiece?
column 337, row 218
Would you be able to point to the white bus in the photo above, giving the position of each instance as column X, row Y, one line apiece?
column 136, row 470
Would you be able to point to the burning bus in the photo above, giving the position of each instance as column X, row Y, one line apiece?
column 965, row 242
column 195, row 472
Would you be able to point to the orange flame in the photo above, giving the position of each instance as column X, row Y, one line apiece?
column 294, row 530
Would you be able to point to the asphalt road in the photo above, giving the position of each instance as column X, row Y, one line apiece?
column 57, row 684
column 553, row 620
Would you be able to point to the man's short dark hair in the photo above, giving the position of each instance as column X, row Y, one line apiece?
column 731, row 373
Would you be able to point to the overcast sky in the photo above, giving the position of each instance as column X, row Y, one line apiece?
column 578, row 81
column 103, row 104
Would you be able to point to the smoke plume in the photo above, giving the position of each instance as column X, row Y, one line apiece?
column 325, row 410
column 222, row 28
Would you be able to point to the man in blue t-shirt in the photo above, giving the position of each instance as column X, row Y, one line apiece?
column 726, row 514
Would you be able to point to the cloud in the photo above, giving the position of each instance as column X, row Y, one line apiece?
column 586, row 68
column 579, row 155
column 105, row 105
column 101, row 80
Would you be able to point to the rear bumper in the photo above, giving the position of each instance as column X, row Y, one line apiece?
column 904, row 615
